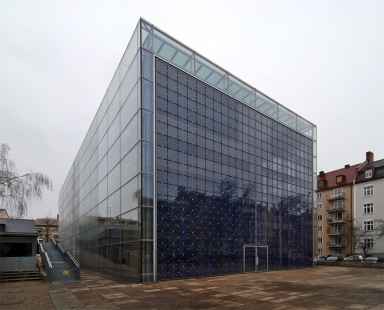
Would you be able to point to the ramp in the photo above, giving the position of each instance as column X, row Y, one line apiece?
column 59, row 265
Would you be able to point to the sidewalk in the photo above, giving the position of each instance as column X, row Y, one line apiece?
column 313, row 288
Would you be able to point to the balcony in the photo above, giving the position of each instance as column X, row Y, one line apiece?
column 336, row 196
column 336, row 208
column 337, row 220
column 335, row 232
column 336, row 244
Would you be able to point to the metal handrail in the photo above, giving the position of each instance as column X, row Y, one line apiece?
column 336, row 196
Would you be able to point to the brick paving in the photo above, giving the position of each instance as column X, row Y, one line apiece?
column 313, row 288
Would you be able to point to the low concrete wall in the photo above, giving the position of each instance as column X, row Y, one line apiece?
column 352, row 264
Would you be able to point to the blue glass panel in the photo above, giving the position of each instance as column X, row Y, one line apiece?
column 214, row 194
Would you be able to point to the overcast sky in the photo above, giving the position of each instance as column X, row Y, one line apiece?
column 322, row 59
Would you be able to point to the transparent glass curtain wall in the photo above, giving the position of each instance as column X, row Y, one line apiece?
column 121, row 172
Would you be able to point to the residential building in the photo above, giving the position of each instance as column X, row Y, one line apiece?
column 47, row 228
column 336, row 207
column 188, row 171
column 369, row 206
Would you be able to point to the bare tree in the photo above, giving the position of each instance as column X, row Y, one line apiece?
column 18, row 191
column 356, row 233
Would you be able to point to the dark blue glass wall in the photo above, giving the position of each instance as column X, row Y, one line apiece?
column 227, row 176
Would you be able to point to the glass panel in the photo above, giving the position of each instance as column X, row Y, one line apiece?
column 210, row 73
column 147, row 64
column 115, row 83
column 147, row 125
column 147, row 157
column 146, row 35
column 102, row 169
column 172, row 51
column 129, row 54
column 286, row 117
column 241, row 91
column 102, row 191
column 266, row 105
column 114, row 155
column 130, row 135
column 147, row 190
column 130, row 165
column 147, row 223
column 146, row 94
column 130, row 195
column 129, row 108
column 103, row 108
column 114, row 204
column 113, row 108
column 129, row 80
column 304, row 126
column 114, row 131
column 102, row 130
column 114, row 179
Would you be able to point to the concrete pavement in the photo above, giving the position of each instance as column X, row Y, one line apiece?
column 313, row 288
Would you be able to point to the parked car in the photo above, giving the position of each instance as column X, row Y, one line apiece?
column 373, row 259
column 354, row 257
column 319, row 258
column 334, row 259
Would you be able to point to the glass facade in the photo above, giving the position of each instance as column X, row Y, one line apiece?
column 188, row 171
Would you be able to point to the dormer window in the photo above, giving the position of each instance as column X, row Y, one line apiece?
column 368, row 173
column 321, row 184
column 340, row 178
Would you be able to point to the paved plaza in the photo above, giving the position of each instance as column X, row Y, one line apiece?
column 313, row 288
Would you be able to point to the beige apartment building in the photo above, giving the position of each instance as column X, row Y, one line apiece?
column 335, row 207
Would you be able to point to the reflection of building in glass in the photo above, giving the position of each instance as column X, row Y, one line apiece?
column 184, row 169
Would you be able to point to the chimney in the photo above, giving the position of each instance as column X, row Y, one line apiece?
column 347, row 166
column 369, row 157
column 321, row 173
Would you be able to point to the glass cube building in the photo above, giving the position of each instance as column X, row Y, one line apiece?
column 188, row 171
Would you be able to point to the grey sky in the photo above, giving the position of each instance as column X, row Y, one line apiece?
column 322, row 59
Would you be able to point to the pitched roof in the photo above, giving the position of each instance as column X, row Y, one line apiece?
column 47, row 222
column 378, row 171
column 349, row 173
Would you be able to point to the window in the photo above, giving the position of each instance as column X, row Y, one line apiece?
column 340, row 178
column 320, row 240
column 368, row 191
column 319, row 206
column 368, row 225
column 368, row 243
column 320, row 217
column 338, row 190
column 338, row 251
column 320, row 251
column 368, row 208
column 319, row 195
column 368, row 173
column 338, row 204
column 321, row 183
column 320, row 228
column 338, row 216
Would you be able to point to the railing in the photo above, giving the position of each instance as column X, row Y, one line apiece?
column 336, row 244
column 45, row 259
column 336, row 196
column 336, row 220
column 333, row 232
column 336, row 208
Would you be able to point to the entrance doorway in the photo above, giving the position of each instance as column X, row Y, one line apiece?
column 255, row 258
